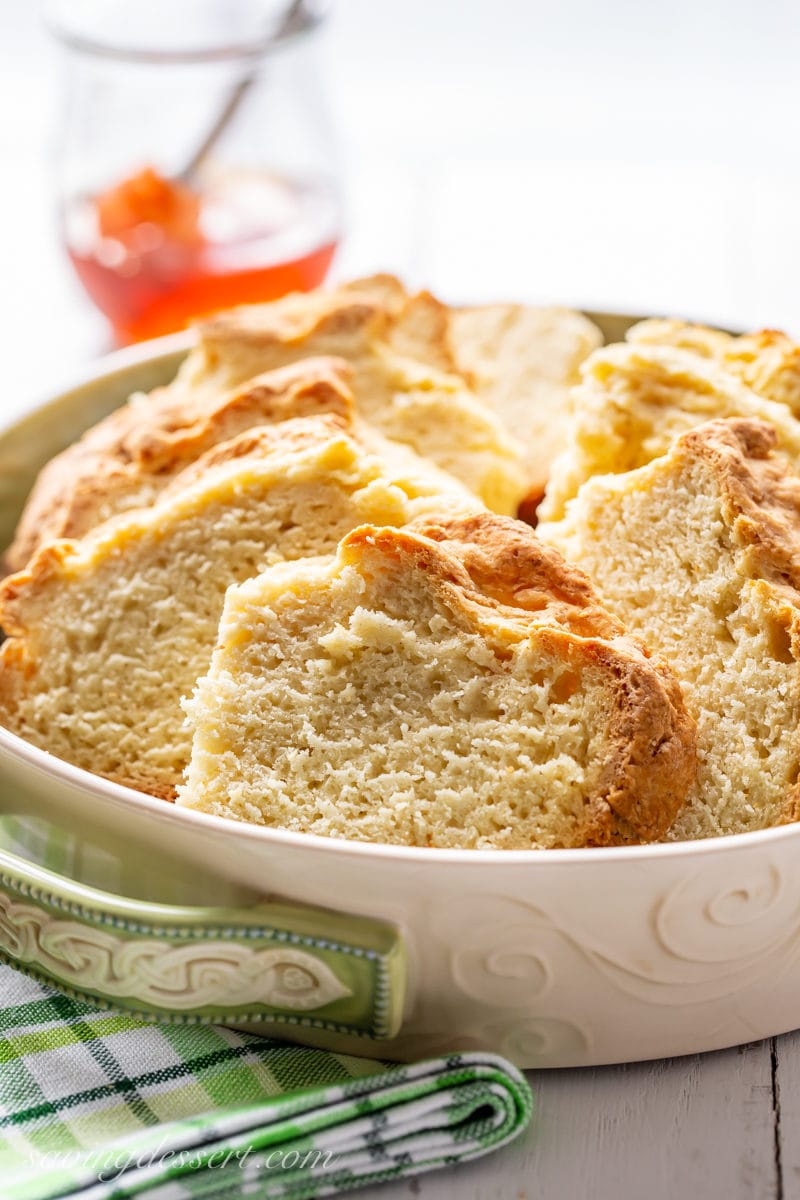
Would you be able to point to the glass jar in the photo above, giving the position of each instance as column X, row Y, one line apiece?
column 196, row 166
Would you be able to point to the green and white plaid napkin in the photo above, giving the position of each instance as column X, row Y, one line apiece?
column 99, row 1106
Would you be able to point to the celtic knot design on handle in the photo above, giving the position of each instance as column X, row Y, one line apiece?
column 166, row 975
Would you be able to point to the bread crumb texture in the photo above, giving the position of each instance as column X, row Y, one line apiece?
column 697, row 552
column 452, row 684
column 108, row 634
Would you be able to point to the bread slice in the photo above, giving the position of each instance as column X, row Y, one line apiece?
column 699, row 553
column 405, row 398
column 634, row 399
column 522, row 362
column 127, row 459
column 768, row 361
column 451, row 684
column 109, row 633
column 418, row 324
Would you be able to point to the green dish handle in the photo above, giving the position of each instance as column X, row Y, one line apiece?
column 274, row 963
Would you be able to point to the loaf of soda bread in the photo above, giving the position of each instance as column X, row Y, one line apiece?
column 452, row 684
column 109, row 633
column 699, row 553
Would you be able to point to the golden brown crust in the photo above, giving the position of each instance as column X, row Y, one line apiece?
column 768, row 361
column 155, row 437
column 351, row 321
column 506, row 563
column 760, row 494
column 290, row 323
column 262, row 440
column 480, row 567
column 419, row 325
column 48, row 562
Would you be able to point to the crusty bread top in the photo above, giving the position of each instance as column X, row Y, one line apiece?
column 507, row 564
column 634, row 398
column 417, row 476
column 292, row 320
column 683, row 335
column 760, row 497
column 519, row 361
column 406, row 398
column 392, row 345
column 375, row 308
column 151, row 438
column 234, row 342
column 418, row 325
column 768, row 361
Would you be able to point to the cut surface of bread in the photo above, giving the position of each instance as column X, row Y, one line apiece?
column 128, row 458
column 699, row 553
column 107, row 634
column 768, row 361
column 452, row 684
column 634, row 399
column 523, row 362
column 405, row 398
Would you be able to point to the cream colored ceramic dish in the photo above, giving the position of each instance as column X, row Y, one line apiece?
column 553, row 958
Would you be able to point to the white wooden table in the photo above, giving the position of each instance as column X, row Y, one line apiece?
column 638, row 173
column 722, row 1126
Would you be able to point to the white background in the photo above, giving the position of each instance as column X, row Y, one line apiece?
column 623, row 155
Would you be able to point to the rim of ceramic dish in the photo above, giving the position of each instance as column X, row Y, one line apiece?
column 47, row 764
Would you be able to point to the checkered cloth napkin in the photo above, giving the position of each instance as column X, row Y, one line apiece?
column 98, row 1106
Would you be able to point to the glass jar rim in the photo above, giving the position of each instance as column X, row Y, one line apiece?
column 88, row 27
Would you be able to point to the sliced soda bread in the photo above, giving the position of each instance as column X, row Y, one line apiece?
column 523, row 362
column 452, row 684
column 405, row 398
column 768, row 361
column 128, row 458
column 634, row 399
column 699, row 553
column 418, row 325
column 107, row 634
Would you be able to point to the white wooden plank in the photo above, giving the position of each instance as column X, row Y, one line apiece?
column 699, row 1127
column 787, row 1096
